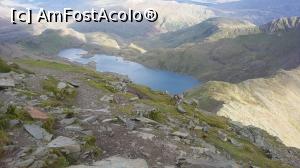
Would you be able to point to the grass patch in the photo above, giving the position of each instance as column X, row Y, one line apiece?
column 15, row 113
column 157, row 116
column 248, row 153
column 69, row 113
column 49, row 124
column 60, row 162
column 102, row 85
column 4, row 68
column 155, row 96
column 66, row 95
column 91, row 146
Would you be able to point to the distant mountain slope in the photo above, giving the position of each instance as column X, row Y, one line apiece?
column 234, row 60
column 271, row 104
column 52, row 41
column 12, row 33
column 210, row 30
column 282, row 24
column 169, row 19
column 258, row 11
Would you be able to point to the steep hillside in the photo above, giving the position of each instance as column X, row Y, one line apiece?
column 235, row 60
column 209, row 30
column 271, row 104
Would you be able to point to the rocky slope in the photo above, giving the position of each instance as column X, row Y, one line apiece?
column 282, row 24
column 55, row 114
column 271, row 104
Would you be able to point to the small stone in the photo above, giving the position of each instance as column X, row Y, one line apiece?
column 198, row 128
column 40, row 152
column 37, row 114
column 67, row 121
column 199, row 150
column 222, row 136
column 74, row 84
column 205, row 129
column 181, row 109
column 37, row 132
column 65, row 143
column 108, row 99
column 89, row 132
column 134, row 99
column 61, row 85
column 44, row 97
column 146, row 120
column 130, row 124
column 180, row 134
column 24, row 163
column 234, row 142
column 13, row 123
column 73, row 128
column 6, row 82
column 90, row 119
column 145, row 136
column 110, row 120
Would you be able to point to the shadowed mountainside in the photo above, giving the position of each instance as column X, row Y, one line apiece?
column 209, row 30
column 237, row 59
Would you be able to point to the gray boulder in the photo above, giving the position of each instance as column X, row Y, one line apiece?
column 37, row 132
column 181, row 109
column 65, row 143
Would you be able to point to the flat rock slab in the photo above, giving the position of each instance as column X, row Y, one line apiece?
column 146, row 120
column 180, row 134
column 37, row 132
column 66, row 143
column 67, row 121
column 145, row 136
column 37, row 114
column 116, row 162
column 7, row 83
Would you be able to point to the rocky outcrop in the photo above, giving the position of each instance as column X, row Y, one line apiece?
column 282, row 24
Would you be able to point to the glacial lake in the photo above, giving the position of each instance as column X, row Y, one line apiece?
column 161, row 80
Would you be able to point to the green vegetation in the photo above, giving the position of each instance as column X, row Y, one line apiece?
column 101, row 84
column 4, row 67
column 49, row 124
column 147, row 93
column 66, row 94
column 11, row 113
column 91, row 146
column 248, row 153
column 17, row 113
column 60, row 162
column 69, row 113
column 234, row 60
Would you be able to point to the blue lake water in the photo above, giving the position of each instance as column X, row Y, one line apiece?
column 171, row 82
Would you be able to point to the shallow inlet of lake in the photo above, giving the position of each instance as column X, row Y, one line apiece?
column 160, row 80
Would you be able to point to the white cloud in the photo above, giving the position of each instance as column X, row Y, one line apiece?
column 17, row 4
